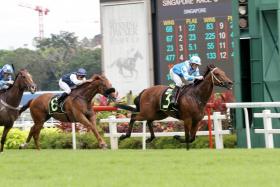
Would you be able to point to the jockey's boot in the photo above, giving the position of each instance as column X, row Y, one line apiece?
column 173, row 102
column 61, row 98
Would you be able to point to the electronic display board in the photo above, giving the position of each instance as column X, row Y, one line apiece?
column 194, row 27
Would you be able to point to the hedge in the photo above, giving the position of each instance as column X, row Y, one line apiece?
column 52, row 138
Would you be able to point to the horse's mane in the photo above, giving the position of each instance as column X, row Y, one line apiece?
column 84, row 85
column 206, row 72
column 197, row 82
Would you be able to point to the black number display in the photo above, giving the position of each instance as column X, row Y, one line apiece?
column 194, row 27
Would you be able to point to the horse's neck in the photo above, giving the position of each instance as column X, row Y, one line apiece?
column 87, row 91
column 204, row 90
column 13, row 95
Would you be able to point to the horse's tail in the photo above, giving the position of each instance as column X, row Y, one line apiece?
column 26, row 106
column 126, row 107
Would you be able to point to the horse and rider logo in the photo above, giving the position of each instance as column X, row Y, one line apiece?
column 127, row 66
column 54, row 107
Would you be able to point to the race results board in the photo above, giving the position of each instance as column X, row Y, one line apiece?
column 194, row 27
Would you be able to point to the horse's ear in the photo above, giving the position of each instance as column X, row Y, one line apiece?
column 96, row 77
column 211, row 66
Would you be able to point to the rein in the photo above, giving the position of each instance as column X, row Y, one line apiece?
column 9, row 106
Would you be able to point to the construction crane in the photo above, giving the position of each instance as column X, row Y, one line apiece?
column 41, row 12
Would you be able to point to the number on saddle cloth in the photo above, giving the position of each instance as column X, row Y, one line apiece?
column 54, row 107
column 166, row 99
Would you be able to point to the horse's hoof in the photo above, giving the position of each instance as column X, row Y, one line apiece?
column 122, row 137
column 177, row 137
column 149, row 140
column 23, row 146
column 103, row 146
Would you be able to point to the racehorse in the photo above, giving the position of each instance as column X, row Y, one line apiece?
column 192, row 100
column 128, row 65
column 10, row 100
column 77, row 108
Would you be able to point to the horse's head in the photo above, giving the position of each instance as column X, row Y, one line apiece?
column 219, row 78
column 138, row 55
column 105, row 87
column 24, row 81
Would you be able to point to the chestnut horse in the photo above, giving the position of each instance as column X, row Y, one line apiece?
column 10, row 100
column 191, row 103
column 77, row 107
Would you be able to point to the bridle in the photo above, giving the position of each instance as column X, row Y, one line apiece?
column 214, row 77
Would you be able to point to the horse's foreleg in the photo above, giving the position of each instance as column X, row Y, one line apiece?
column 92, row 124
column 193, row 131
column 4, row 135
column 130, row 127
column 187, row 126
column 150, row 125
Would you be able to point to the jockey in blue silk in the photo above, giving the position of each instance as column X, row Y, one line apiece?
column 185, row 73
column 6, row 76
column 71, row 81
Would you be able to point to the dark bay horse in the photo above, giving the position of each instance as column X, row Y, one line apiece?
column 10, row 100
column 77, row 108
column 191, row 103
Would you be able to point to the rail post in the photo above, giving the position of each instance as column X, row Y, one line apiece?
column 144, row 135
column 113, row 131
column 267, row 124
column 217, row 129
column 74, row 145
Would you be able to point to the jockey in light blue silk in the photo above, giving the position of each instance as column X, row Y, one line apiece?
column 6, row 77
column 185, row 73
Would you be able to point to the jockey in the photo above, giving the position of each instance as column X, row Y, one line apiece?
column 70, row 81
column 6, row 76
column 185, row 73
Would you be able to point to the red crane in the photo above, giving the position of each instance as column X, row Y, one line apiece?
column 41, row 12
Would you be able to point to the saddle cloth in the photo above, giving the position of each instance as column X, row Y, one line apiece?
column 166, row 99
column 54, row 107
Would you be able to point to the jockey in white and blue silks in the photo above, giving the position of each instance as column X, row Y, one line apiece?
column 70, row 81
column 185, row 73
column 187, row 70
column 6, row 76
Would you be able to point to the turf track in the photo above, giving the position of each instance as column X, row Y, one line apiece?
column 151, row 168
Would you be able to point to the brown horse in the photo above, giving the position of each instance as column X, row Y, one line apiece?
column 191, row 103
column 77, row 108
column 10, row 100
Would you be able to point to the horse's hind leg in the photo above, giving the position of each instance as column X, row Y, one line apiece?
column 36, row 134
column 4, row 135
column 130, row 127
column 150, row 125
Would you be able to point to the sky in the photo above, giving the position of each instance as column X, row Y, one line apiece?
column 19, row 25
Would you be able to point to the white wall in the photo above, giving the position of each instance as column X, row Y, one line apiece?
column 125, row 30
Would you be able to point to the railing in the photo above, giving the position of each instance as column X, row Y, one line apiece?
column 245, row 107
column 267, row 124
column 114, row 135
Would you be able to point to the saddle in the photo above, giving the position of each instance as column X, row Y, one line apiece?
column 54, row 107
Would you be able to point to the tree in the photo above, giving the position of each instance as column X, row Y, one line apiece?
column 88, row 59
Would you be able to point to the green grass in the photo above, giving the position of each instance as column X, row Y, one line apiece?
column 151, row 168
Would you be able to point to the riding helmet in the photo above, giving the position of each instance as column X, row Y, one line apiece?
column 81, row 72
column 7, row 68
column 195, row 60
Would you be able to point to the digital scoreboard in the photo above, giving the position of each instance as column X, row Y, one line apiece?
column 194, row 27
